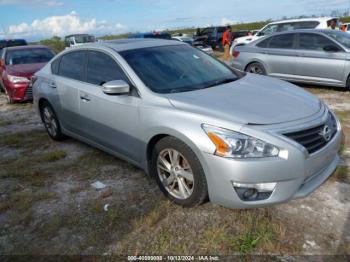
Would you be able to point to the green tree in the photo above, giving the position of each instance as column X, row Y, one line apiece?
column 54, row 43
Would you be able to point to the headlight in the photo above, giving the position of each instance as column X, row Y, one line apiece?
column 17, row 79
column 230, row 144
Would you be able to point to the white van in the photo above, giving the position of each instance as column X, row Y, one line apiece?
column 286, row 25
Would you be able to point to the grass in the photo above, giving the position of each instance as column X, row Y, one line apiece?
column 5, row 122
column 23, row 200
column 54, row 156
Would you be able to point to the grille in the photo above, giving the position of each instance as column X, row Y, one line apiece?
column 29, row 92
column 315, row 138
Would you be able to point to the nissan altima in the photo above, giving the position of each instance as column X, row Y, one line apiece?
column 201, row 129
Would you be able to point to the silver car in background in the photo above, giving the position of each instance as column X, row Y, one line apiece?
column 201, row 129
column 304, row 56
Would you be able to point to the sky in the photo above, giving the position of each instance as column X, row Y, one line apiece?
column 38, row 19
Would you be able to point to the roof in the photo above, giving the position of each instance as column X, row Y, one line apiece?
column 77, row 35
column 26, row 47
column 319, row 19
column 131, row 43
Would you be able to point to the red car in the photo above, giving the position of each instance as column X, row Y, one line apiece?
column 17, row 66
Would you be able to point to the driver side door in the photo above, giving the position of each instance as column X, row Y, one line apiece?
column 109, row 120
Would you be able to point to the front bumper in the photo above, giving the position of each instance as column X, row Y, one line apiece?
column 19, row 91
column 295, row 177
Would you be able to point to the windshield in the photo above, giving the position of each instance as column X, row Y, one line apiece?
column 179, row 68
column 28, row 56
column 80, row 39
column 341, row 37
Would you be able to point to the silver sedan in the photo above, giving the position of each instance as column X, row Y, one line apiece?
column 201, row 129
column 305, row 56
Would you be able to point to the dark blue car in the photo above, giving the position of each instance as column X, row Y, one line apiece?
column 159, row 35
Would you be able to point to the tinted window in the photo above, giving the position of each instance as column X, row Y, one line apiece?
column 263, row 43
column 306, row 25
column 282, row 41
column 102, row 68
column 28, row 56
column 72, row 65
column 180, row 68
column 313, row 42
column 55, row 66
column 340, row 37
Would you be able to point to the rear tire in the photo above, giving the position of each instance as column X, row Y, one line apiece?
column 256, row 68
column 178, row 172
column 51, row 123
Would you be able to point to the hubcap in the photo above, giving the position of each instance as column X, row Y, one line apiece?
column 175, row 173
column 50, row 121
column 255, row 70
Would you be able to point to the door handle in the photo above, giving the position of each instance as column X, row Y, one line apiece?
column 85, row 98
column 52, row 85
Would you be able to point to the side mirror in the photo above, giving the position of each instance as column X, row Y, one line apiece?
column 116, row 87
column 331, row 48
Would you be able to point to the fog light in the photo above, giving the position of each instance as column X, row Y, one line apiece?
column 254, row 192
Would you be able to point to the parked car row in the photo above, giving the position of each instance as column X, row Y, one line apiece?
column 303, row 56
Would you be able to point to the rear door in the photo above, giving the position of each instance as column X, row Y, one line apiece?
column 280, row 55
column 67, row 82
column 317, row 65
column 110, row 120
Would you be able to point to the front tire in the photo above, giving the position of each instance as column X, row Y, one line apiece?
column 179, row 173
column 347, row 88
column 256, row 68
column 8, row 97
column 51, row 123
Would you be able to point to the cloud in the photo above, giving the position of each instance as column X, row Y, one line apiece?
column 62, row 25
column 226, row 21
column 49, row 3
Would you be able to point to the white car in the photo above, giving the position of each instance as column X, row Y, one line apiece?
column 286, row 25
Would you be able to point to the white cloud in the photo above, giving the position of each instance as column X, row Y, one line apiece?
column 49, row 3
column 62, row 25
column 226, row 21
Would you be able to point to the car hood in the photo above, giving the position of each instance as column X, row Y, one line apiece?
column 252, row 100
column 25, row 70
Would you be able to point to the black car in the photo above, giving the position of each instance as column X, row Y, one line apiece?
column 210, row 36
column 158, row 35
column 12, row 42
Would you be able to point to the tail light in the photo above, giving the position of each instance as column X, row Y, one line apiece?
column 235, row 53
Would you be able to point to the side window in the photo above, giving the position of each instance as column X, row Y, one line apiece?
column 55, row 66
column 306, row 25
column 263, row 44
column 313, row 42
column 285, row 27
column 102, row 68
column 72, row 65
column 270, row 29
column 284, row 41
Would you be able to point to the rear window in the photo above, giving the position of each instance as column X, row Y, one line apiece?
column 28, row 56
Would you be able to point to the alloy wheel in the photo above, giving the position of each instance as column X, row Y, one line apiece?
column 175, row 173
column 255, row 69
column 50, row 121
